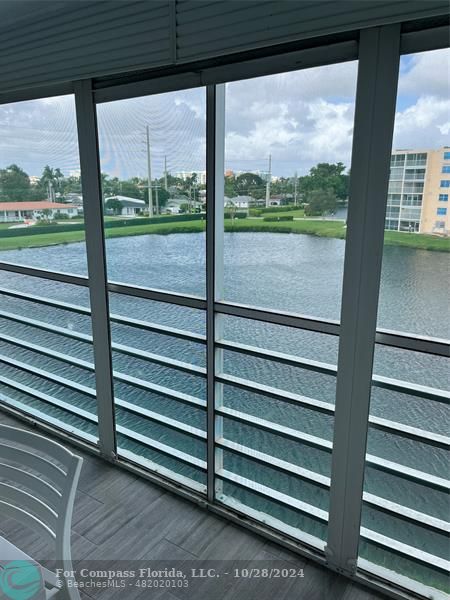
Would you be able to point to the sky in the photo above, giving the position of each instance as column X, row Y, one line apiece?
column 300, row 118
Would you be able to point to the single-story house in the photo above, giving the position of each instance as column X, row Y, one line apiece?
column 238, row 202
column 24, row 211
column 130, row 206
column 75, row 199
column 173, row 205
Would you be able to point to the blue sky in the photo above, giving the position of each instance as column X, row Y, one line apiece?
column 300, row 118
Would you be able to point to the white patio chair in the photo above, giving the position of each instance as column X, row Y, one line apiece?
column 38, row 480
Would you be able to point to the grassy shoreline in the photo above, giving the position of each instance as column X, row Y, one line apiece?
column 321, row 228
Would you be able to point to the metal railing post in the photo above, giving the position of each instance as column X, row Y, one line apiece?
column 372, row 142
column 215, row 149
column 96, row 261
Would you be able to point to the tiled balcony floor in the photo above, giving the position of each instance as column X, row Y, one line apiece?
column 123, row 522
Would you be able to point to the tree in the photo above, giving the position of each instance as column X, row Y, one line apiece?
column 58, row 177
column 230, row 186
column 250, row 184
column 320, row 202
column 114, row 205
column 14, row 184
column 48, row 176
column 163, row 197
column 326, row 176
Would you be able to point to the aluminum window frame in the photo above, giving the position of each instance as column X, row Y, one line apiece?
column 87, row 97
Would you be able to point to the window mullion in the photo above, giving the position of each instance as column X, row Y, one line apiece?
column 96, row 262
column 372, row 142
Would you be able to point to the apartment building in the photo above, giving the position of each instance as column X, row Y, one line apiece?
column 419, row 189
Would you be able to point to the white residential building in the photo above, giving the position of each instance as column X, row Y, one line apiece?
column 130, row 206
column 33, row 211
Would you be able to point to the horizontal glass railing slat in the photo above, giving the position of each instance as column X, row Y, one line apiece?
column 314, row 543
column 46, row 301
column 68, row 383
column 192, row 461
column 413, row 433
column 280, row 357
column 276, row 393
column 322, row 516
column 162, row 419
column 405, row 472
column 275, row 496
column 397, row 385
column 121, row 348
column 273, row 462
column 278, row 317
column 69, row 333
column 376, row 422
column 127, row 379
column 75, row 410
column 16, row 405
column 271, row 427
column 430, row 560
column 417, row 343
column 147, row 441
column 160, row 390
column 397, row 510
column 161, row 329
column 406, row 513
column 128, row 457
column 91, row 392
column 66, row 358
column 159, row 360
column 81, row 280
column 127, row 321
column 158, row 295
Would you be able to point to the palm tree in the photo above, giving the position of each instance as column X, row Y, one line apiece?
column 58, row 177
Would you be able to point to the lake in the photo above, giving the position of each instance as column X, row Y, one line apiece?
column 296, row 273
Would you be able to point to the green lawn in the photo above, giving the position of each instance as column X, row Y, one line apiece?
column 323, row 228
column 337, row 229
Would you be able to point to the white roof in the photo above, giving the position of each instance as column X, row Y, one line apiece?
column 127, row 201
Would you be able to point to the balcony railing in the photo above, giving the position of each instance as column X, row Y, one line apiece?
column 187, row 466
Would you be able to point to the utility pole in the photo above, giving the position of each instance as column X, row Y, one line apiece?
column 295, row 189
column 268, row 182
column 165, row 173
column 50, row 192
column 149, row 175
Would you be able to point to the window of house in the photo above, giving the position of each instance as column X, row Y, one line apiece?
column 441, row 211
column 445, row 183
column 443, row 197
column 446, row 169
column 446, row 155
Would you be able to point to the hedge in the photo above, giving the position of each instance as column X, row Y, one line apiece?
column 45, row 229
column 282, row 218
column 258, row 212
column 237, row 215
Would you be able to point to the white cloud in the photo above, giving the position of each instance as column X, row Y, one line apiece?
column 301, row 118
column 425, row 124
column 428, row 74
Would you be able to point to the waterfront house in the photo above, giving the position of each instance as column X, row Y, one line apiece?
column 131, row 207
column 33, row 211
